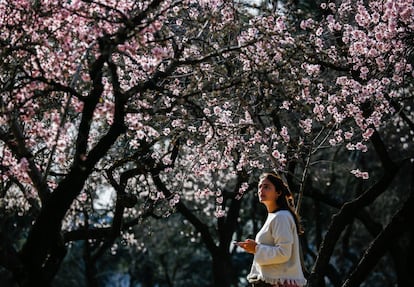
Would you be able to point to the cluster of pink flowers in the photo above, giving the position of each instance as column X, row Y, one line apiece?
column 361, row 174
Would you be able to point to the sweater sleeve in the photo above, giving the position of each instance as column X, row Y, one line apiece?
column 282, row 234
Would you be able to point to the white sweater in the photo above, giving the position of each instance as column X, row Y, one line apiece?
column 277, row 258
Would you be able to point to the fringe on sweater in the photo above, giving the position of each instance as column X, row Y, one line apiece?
column 272, row 282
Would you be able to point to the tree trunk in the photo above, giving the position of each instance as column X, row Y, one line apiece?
column 223, row 272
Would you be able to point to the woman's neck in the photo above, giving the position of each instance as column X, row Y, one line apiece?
column 271, row 207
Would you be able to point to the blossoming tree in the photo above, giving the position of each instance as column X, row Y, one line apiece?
column 157, row 100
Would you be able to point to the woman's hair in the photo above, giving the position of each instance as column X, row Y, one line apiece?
column 284, row 202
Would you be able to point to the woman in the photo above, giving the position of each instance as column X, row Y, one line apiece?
column 276, row 261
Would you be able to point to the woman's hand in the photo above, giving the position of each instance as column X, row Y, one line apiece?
column 249, row 245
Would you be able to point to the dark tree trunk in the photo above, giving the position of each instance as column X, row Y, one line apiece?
column 382, row 244
column 223, row 271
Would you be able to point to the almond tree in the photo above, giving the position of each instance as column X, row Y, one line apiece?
column 346, row 79
column 89, row 87
column 173, row 101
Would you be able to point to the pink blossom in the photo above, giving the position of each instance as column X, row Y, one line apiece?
column 350, row 146
column 332, row 142
column 285, row 105
column 285, row 134
column 217, row 110
column 264, row 148
column 174, row 200
column 368, row 133
column 306, row 125
column 243, row 188
column 362, row 147
column 308, row 23
column 276, row 154
column 219, row 212
column 348, row 135
column 359, row 173
column 318, row 110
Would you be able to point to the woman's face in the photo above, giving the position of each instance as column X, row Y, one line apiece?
column 267, row 191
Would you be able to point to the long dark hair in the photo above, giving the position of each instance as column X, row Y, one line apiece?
column 285, row 201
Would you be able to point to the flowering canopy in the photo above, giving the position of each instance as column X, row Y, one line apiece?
column 182, row 89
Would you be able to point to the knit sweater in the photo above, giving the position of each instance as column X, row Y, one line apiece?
column 277, row 258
